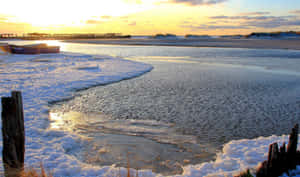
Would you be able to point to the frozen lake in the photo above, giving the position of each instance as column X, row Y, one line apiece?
column 193, row 102
column 208, row 96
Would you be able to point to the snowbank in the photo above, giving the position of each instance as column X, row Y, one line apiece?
column 51, row 77
column 236, row 157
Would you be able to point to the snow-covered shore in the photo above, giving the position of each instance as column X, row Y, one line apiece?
column 51, row 77
column 47, row 78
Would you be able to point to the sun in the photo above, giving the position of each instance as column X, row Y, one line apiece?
column 42, row 13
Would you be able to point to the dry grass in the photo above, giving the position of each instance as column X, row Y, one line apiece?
column 27, row 172
column 245, row 174
column 41, row 172
column 31, row 172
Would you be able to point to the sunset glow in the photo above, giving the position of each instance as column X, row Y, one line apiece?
column 58, row 12
column 149, row 17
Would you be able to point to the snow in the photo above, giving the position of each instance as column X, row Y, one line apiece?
column 236, row 157
column 51, row 77
column 48, row 78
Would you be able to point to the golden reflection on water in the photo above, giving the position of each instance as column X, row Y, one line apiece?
column 61, row 120
column 53, row 43
column 56, row 120
column 150, row 144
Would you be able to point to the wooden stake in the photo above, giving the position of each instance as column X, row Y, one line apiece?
column 283, row 159
column 13, row 134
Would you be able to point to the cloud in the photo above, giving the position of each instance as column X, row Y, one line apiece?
column 124, row 17
column 13, row 27
column 223, row 17
column 3, row 19
column 254, row 13
column 187, row 2
column 213, row 27
column 295, row 12
column 133, row 1
column 98, row 20
column 244, row 22
column 197, row 2
column 93, row 22
column 275, row 23
column 132, row 24
column 106, row 17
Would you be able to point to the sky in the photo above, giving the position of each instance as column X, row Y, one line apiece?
column 149, row 17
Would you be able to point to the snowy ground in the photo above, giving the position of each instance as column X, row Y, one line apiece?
column 48, row 78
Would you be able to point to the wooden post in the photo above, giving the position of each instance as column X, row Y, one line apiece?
column 282, row 160
column 13, row 134
column 292, row 147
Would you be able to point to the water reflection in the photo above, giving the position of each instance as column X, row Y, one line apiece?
column 64, row 121
column 53, row 43
column 147, row 144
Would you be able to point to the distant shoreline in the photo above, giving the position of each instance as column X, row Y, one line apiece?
column 291, row 44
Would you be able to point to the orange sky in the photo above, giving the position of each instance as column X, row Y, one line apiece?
column 146, row 17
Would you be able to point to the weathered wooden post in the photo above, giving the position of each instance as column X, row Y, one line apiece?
column 292, row 147
column 282, row 160
column 13, row 134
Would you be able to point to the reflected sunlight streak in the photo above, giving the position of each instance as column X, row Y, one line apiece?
column 56, row 120
column 64, row 120
column 53, row 43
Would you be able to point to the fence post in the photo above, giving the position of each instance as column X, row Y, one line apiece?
column 13, row 134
